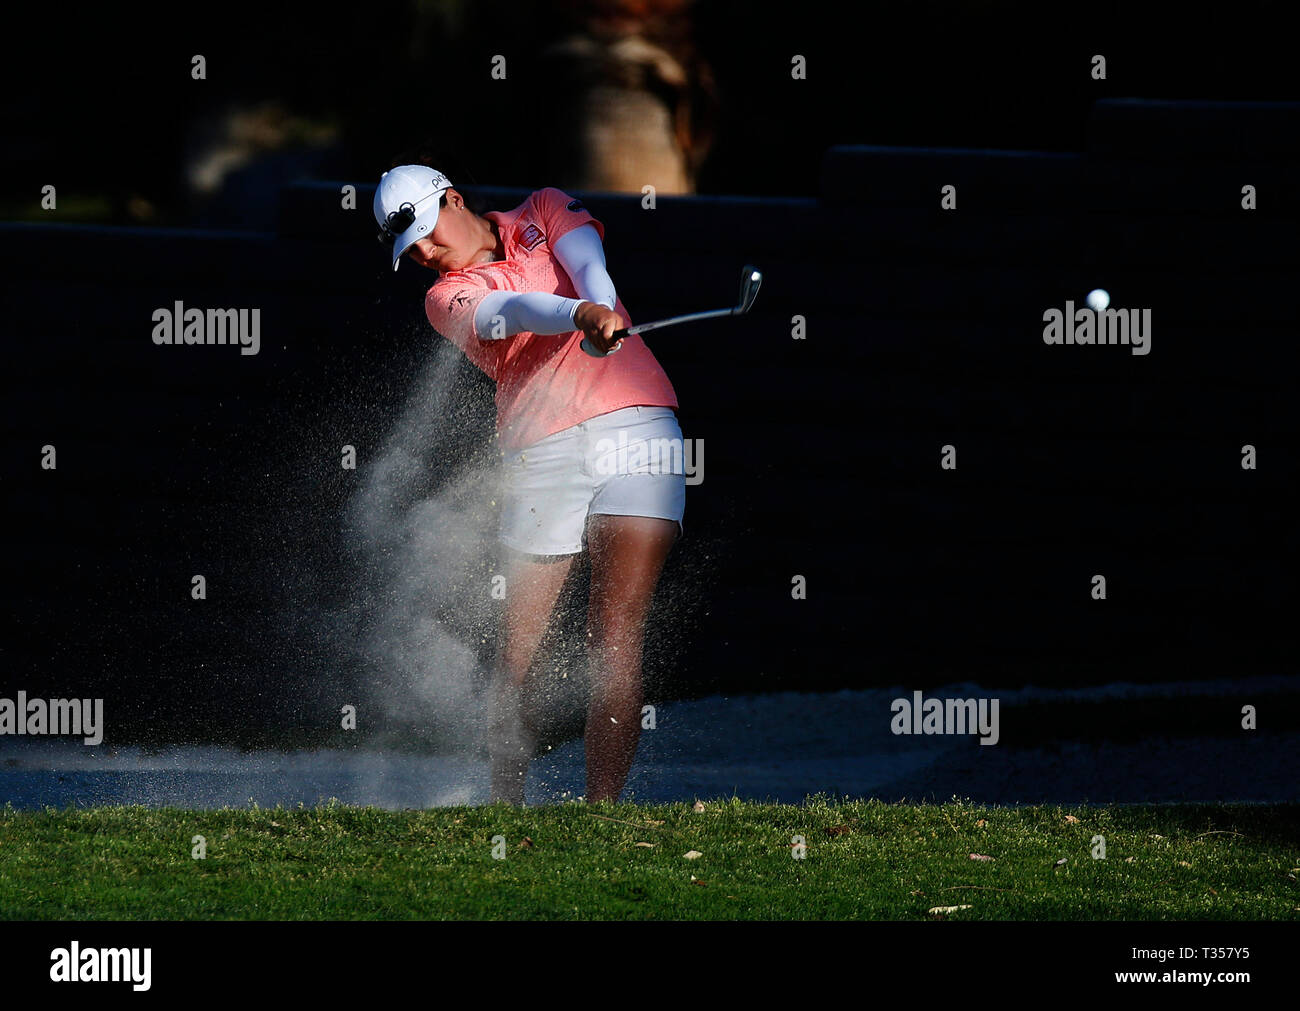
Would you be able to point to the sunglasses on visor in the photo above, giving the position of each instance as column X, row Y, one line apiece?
column 401, row 219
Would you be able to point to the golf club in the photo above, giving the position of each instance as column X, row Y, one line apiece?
column 751, row 279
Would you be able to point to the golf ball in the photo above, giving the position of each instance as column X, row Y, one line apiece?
column 1098, row 299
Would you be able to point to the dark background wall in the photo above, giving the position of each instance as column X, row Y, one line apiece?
column 822, row 455
column 110, row 112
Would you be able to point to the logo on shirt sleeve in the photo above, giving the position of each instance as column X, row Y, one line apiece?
column 531, row 237
column 575, row 205
column 461, row 299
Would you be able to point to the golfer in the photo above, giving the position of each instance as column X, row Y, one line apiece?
column 517, row 291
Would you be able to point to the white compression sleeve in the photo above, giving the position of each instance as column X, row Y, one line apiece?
column 538, row 312
column 583, row 258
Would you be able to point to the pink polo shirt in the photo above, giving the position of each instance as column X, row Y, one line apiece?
column 545, row 383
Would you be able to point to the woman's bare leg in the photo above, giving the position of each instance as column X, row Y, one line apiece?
column 532, row 586
column 627, row 556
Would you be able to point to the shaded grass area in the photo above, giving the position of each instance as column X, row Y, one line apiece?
column 860, row 860
column 1040, row 723
column 1043, row 724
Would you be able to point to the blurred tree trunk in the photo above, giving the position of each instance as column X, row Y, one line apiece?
column 636, row 104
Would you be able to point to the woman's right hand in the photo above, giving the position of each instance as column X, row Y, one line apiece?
column 599, row 324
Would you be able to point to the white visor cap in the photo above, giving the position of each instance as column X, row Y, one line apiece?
column 416, row 185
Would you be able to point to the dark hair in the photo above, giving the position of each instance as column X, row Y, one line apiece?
column 424, row 154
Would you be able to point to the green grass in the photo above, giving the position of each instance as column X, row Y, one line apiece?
column 863, row 860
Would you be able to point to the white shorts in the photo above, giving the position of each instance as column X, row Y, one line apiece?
column 629, row 462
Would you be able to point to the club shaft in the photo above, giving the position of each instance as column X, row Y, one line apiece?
column 643, row 327
column 751, row 278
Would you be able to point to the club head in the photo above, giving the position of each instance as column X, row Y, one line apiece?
column 590, row 348
column 751, row 279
